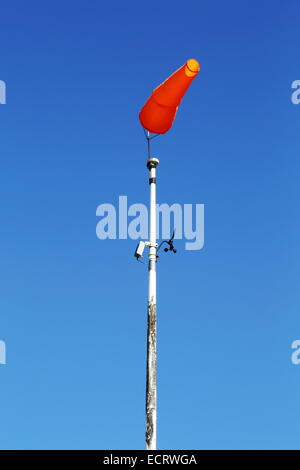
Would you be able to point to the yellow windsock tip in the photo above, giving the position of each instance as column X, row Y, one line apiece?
column 192, row 67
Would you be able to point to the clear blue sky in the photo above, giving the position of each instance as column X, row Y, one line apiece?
column 73, row 307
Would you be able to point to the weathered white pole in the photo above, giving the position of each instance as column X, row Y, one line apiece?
column 151, row 330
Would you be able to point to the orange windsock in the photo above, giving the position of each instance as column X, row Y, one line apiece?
column 158, row 113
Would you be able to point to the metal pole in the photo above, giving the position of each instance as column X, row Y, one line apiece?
column 151, row 330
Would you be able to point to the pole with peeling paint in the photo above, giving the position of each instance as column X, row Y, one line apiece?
column 151, row 330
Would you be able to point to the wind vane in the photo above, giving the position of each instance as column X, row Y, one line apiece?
column 156, row 117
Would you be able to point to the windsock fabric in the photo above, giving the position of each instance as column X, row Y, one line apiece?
column 158, row 113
